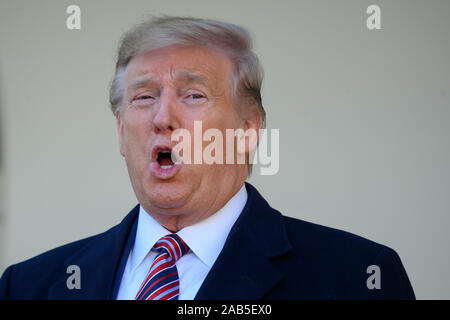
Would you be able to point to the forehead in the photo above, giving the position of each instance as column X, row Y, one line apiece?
column 178, row 62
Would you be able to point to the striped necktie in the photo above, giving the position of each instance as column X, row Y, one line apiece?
column 162, row 281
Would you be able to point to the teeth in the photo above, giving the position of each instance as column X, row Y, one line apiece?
column 166, row 167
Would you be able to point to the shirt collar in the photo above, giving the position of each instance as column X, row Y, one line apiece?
column 206, row 238
column 148, row 232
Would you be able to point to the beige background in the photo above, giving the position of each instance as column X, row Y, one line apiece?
column 364, row 119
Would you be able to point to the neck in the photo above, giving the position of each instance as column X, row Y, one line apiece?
column 176, row 222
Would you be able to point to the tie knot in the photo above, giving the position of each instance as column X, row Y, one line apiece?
column 173, row 245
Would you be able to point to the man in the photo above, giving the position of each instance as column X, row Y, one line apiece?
column 200, row 231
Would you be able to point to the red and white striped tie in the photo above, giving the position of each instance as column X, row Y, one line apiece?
column 162, row 281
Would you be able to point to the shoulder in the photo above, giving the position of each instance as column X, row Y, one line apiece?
column 322, row 242
column 56, row 254
column 32, row 278
column 343, row 262
column 40, row 269
column 330, row 240
column 44, row 276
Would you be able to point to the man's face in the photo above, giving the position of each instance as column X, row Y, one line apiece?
column 168, row 89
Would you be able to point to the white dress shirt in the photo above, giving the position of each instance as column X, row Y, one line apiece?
column 205, row 240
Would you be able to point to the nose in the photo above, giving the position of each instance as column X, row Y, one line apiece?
column 165, row 119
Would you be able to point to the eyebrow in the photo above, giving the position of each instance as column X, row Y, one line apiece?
column 143, row 81
column 180, row 75
column 189, row 77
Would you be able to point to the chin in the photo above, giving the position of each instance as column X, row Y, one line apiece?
column 167, row 195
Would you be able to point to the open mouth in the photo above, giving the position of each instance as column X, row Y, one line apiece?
column 164, row 158
column 164, row 162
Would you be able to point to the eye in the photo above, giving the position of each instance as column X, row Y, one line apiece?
column 143, row 97
column 195, row 97
column 143, row 100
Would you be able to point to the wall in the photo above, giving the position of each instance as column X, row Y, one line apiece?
column 363, row 115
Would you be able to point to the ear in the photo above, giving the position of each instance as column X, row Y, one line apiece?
column 120, row 133
column 249, row 141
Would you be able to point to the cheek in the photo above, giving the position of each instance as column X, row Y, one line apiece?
column 137, row 127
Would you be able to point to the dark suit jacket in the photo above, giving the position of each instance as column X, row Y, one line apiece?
column 266, row 255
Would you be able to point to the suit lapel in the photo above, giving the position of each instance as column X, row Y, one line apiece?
column 98, row 262
column 244, row 269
